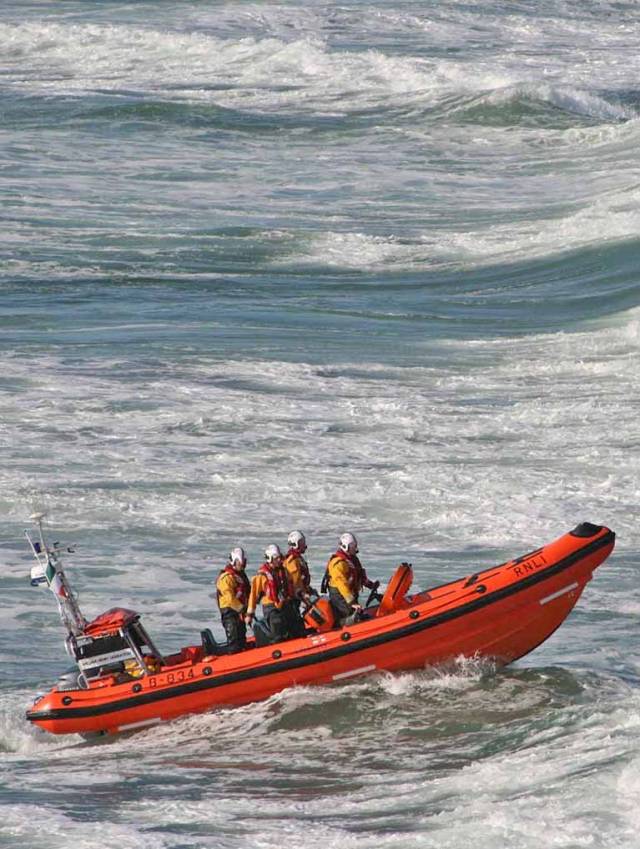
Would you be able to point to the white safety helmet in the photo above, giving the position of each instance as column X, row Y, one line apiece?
column 272, row 552
column 348, row 543
column 296, row 540
column 237, row 555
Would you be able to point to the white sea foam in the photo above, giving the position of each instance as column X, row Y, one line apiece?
column 281, row 72
column 587, row 757
column 508, row 790
column 463, row 674
column 392, row 431
column 78, row 58
column 15, row 734
column 611, row 216
column 52, row 829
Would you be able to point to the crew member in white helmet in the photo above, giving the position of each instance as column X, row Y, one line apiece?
column 296, row 565
column 232, row 589
column 345, row 577
column 272, row 587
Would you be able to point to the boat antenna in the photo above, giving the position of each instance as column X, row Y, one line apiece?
column 48, row 570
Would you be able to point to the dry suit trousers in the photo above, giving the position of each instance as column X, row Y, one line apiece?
column 235, row 629
column 295, row 622
column 344, row 613
column 276, row 621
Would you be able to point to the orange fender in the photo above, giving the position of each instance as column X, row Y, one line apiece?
column 397, row 588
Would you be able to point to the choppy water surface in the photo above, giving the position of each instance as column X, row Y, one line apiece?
column 274, row 265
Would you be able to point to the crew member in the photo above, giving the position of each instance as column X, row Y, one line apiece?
column 272, row 587
column 345, row 577
column 296, row 565
column 233, row 594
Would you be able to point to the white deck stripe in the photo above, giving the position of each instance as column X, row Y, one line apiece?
column 359, row 671
column 568, row 589
column 139, row 724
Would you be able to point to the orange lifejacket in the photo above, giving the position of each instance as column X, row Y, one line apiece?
column 242, row 584
column 279, row 587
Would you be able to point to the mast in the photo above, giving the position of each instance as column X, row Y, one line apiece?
column 48, row 570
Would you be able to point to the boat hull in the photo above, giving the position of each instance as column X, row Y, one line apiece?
column 501, row 614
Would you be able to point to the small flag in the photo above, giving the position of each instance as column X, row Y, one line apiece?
column 56, row 584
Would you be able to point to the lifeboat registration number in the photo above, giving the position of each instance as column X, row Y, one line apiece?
column 168, row 678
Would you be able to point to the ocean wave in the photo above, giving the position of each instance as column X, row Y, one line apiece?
column 267, row 74
column 518, row 105
column 609, row 219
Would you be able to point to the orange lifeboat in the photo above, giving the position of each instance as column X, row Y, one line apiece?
column 501, row 613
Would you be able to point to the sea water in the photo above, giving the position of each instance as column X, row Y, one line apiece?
column 362, row 266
